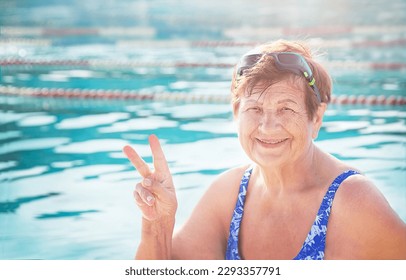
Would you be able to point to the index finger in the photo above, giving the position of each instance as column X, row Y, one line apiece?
column 160, row 163
column 137, row 161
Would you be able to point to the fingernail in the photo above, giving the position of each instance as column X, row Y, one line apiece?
column 150, row 199
column 147, row 182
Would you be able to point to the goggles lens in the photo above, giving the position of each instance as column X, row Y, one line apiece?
column 284, row 61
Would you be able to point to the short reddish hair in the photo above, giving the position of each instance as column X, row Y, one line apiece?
column 267, row 73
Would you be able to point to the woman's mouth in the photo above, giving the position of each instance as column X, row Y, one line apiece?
column 271, row 142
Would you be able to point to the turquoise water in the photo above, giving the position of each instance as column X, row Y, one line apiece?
column 65, row 186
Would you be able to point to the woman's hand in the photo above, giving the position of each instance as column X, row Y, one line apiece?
column 155, row 194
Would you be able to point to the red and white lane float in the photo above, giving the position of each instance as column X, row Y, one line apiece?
column 75, row 93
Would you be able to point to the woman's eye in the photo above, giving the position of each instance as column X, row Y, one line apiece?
column 287, row 109
column 254, row 109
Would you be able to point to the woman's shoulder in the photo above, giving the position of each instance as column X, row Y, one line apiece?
column 358, row 194
column 361, row 213
column 359, row 187
column 229, row 180
column 223, row 191
column 234, row 173
column 224, row 188
column 353, row 184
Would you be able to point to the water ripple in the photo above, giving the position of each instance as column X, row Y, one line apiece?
column 153, row 122
column 18, row 174
column 37, row 120
column 64, row 214
column 32, row 144
column 92, row 146
column 12, row 206
column 91, row 120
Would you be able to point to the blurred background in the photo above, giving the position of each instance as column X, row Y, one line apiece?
column 80, row 79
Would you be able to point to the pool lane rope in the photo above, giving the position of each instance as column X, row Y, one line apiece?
column 100, row 63
column 103, row 94
column 325, row 43
column 151, row 32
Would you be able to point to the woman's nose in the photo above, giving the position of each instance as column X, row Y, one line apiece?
column 269, row 121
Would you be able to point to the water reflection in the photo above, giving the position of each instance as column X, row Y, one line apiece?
column 65, row 214
column 8, row 207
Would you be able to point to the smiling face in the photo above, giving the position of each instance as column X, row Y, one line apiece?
column 273, row 123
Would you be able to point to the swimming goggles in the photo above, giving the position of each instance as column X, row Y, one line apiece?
column 284, row 61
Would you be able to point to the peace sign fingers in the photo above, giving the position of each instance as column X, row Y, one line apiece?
column 160, row 163
column 137, row 161
column 155, row 195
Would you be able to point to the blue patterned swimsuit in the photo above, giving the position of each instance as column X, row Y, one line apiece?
column 315, row 243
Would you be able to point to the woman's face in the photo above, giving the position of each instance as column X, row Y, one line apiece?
column 273, row 125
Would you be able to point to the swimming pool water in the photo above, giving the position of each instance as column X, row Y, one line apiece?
column 65, row 186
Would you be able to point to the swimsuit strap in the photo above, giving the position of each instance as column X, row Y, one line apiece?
column 232, row 244
column 314, row 245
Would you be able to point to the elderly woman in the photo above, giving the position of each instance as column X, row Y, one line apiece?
column 281, row 205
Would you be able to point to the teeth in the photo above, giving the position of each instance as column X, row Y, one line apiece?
column 272, row 141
